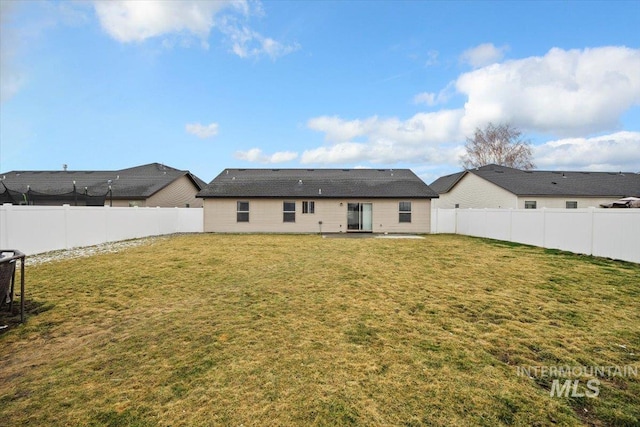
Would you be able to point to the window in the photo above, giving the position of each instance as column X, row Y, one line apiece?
column 242, row 214
column 308, row 207
column 289, row 211
column 457, row 206
column 405, row 212
column 530, row 204
column 571, row 205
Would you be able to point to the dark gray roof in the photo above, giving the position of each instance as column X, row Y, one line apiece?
column 131, row 183
column 445, row 183
column 551, row 183
column 318, row 183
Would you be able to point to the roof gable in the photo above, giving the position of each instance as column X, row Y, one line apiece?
column 318, row 183
column 445, row 183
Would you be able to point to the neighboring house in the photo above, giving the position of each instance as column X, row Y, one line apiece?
column 317, row 200
column 494, row 186
column 147, row 185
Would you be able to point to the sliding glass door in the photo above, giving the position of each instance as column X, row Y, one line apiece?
column 359, row 217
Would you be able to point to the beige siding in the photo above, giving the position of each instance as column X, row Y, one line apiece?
column 179, row 193
column 266, row 216
column 560, row 202
column 117, row 203
column 475, row 192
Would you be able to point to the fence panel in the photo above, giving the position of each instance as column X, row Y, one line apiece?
column 616, row 234
column 611, row 233
column 36, row 229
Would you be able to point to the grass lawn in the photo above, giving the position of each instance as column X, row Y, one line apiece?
column 300, row 330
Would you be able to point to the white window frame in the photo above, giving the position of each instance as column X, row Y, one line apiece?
column 308, row 207
column 239, row 211
column 404, row 213
column 288, row 215
column 574, row 204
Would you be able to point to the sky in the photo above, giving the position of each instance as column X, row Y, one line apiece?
column 208, row 85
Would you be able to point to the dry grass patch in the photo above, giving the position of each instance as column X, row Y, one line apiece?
column 300, row 330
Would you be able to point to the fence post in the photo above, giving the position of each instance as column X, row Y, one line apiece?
column 592, row 211
column 434, row 221
column 544, row 227
column 66, row 225
column 510, row 223
column 4, row 225
column 455, row 221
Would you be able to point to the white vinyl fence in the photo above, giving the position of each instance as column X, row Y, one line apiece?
column 610, row 233
column 36, row 229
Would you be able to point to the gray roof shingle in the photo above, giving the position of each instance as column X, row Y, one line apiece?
column 131, row 183
column 550, row 183
column 318, row 183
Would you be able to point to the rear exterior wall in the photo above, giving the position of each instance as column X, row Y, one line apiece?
column 266, row 216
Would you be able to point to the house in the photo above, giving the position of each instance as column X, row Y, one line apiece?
column 152, row 185
column 494, row 186
column 317, row 200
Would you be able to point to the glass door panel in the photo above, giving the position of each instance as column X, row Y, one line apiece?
column 353, row 216
column 366, row 218
column 359, row 217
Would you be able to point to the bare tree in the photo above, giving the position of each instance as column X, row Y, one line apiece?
column 498, row 144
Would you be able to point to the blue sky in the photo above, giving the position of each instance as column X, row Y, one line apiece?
column 201, row 85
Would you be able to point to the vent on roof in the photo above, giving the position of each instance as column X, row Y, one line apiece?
column 554, row 183
column 381, row 170
column 310, row 170
column 275, row 170
column 528, row 171
column 499, row 171
column 346, row 170
column 242, row 170
column 36, row 172
column 300, row 182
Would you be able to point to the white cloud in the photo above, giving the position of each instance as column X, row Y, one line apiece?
column 431, row 98
column 436, row 127
column 565, row 92
column 572, row 93
column 136, row 21
column 256, row 155
column 483, row 55
column 18, row 34
column 247, row 43
column 615, row 152
column 423, row 137
column 11, row 77
column 202, row 131
column 428, row 98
